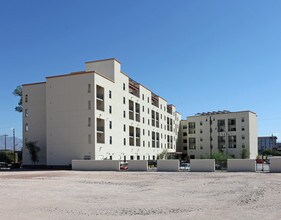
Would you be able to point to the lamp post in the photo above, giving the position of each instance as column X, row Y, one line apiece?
column 14, row 144
column 5, row 135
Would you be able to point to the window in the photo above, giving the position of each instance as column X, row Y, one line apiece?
column 148, row 99
column 124, row 86
column 143, row 144
column 124, row 114
column 184, row 134
column 89, row 88
column 89, row 121
column 89, row 139
column 243, row 119
column 110, row 109
column 124, row 141
column 26, row 127
column 110, row 94
column 110, row 124
column 184, row 148
column 184, row 127
column 131, row 157
column 148, row 121
column 124, row 127
column 143, row 132
column 243, row 136
column 243, row 129
column 148, row 110
column 110, row 139
column 243, row 145
column 110, row 157
column 89, row 105
column 142, row 96
column 148, row 133
column 185, row 141
column 201, row 123
column 143, row 108
column 26, row 98
column 143, row 120
column 201, row 131
column 124, row 100
column 26, row 113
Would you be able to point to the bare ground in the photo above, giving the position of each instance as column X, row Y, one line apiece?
column 139, row 195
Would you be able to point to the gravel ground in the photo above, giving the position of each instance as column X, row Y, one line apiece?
column 139, row 195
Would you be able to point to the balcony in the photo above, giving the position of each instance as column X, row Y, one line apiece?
column 169, row 109
column 134, row 88
column 155, row 100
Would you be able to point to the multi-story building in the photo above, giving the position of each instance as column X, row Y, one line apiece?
column 99, row 113
column 223, row 131
column 267, row 142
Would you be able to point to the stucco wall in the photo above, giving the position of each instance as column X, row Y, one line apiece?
column 275, row 165
column 96, row 165
column 167, row 165
column 202, row 165
column 137, row 165
column 241, row 165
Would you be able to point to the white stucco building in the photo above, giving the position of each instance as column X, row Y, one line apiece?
column 99, row 113
column 222, row 131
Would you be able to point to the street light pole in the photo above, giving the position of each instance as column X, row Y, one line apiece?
column 14, row 145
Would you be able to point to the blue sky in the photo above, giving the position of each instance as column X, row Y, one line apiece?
column 206, row 55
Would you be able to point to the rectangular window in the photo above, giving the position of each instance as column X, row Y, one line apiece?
column 110, row 94
column 124, row 100
column 26, row 113
column 124, row 127
column 110, row 124
column 124, row 141
column 143, row 132
column 142, row 96
column 89, row 139
column 89, row 88
column 148, row 99
column 26, row 127
column 110, row 139
column 124, row 114
column 89, row 105
column 143, row 144
column 89, row 121
column 110, row 109
column 243, row 119
column 143, row 108
column 26, row 98
column 124, row 86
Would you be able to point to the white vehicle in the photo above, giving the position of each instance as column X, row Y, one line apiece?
column 184, row 166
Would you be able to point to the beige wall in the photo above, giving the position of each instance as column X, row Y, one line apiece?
column 275, row 164
column 137, row 165
column 36, row 120
column 241, row 165
column 96, row 165
column 202, row 165
column 168, row 165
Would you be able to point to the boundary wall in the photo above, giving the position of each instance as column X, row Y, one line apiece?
column 96, row 165
column 202, row 165
column 275, row 165
column 137, row 165
column 168, row 165
column 241, row 165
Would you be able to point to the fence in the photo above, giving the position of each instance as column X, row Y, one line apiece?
column 202, row 165
column 96, row 165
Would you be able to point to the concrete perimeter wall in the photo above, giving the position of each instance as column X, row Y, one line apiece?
column 137, row 165
column 167, row 165
column 96, row 165
column 275, row 164
column 241, row 165
column 202, row 165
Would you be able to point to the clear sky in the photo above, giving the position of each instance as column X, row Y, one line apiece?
column 199, row 55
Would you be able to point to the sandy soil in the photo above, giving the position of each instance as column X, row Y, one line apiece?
column 139, row 195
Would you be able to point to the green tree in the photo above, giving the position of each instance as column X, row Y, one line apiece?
column 33, row 150
column 245, row 154
column 4, row 157
column 18, row 92
column 220, row 158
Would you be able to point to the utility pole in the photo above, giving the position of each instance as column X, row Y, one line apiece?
column 5, row 135
column 14, row 145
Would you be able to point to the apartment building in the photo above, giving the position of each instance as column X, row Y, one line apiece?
column 267, row 142
column 100, row 113
column 223, row 131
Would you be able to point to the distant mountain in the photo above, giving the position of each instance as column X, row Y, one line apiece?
column 10, row 143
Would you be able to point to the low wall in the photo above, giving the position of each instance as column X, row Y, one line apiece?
column 241, row 165
column 96, row 165
column 137, row 165
column 167, row 165
column 202, row 165
column 275, row 165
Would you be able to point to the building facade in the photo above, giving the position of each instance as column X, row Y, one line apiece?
column 229, row 132
column 267, row 142
column 100, row 113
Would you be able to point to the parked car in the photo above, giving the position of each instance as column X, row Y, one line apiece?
column 259, row 160
column 152, row 163
column 124, row 166
column 3, row 165
column 184, row 166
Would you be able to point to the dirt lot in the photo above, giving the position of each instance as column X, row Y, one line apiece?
column 139, row 195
